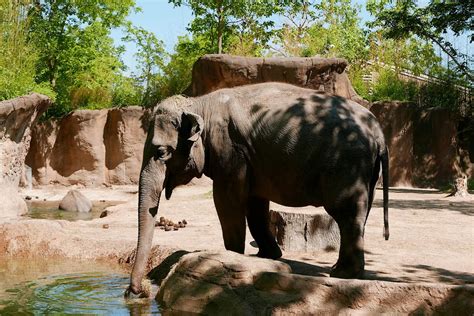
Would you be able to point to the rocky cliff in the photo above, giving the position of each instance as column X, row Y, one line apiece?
column 104, row 147
column 89, row 147
column 16, row 118
column 426, row 149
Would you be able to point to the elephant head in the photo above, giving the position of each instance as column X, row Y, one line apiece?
column 173, row 155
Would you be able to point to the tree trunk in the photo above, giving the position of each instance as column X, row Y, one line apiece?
column 220, row 26
column 460, row 187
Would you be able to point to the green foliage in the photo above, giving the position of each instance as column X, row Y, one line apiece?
column 225, row 20
column 76, row 54
column 17, row 57
column 126, row 91
column 178, row 71
column 444, row 93
column 389, row 87
column 330, row 28
column 150, row 57
column 431, row 22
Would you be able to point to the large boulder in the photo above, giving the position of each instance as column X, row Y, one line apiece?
column 227, row 283
column 16, row 118
column 213, row 72
column 75, row 201
column 216, row 283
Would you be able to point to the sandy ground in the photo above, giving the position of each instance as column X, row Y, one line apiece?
column 432, row 237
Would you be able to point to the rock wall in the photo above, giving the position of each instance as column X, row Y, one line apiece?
column 104, row 147
column 425, row 147
column 16, row 118
column 89, row 147
column 213, row 72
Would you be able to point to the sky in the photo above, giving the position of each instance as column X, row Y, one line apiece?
column 159, row 17
column 169, row 22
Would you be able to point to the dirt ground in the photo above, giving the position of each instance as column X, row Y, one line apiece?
column 432, row 236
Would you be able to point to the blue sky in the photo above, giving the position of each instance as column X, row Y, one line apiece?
column 169, row 22
column 159, row 17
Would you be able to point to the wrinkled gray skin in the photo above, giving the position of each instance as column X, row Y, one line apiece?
column 260, row 143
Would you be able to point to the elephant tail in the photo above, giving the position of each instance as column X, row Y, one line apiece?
column 384, row 159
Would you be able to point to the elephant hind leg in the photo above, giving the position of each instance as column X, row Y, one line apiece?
column 351, row 221
column 258, row 218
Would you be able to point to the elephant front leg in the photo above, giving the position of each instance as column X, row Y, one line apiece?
column 258, row 218
column 231, row 210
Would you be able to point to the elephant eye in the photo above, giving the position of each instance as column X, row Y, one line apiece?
column 163, row 152
column 175, row 123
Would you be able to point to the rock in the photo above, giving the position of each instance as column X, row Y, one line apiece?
column 90, row 148
column 304, row 229
column 75, row 201
column 227, row 283
column 17, row 116
column 104, row 214
column 27, row 197
column 12, row 205
column 105, row 226
column 426, row 149
column 215, row 283
column 213, row 72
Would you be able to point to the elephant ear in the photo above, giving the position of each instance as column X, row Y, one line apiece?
column 191, row 126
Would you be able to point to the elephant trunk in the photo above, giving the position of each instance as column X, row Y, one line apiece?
column 151, row 182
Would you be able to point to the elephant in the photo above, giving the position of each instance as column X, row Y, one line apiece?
column 266, row 142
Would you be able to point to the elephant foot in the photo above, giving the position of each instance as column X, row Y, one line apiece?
column 274, row 253
column 347, row 271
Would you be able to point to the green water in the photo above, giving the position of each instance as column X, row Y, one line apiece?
column 49, row 210
column 33, row 287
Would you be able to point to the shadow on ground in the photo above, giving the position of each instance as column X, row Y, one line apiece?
column 463, row 207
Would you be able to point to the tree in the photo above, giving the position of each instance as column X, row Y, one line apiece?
column 405, row 18
column 17, row 56
column 177, row 72
column 76, row 55
column 150, row 57
column 221, row 20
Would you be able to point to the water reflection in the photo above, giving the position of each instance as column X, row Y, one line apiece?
column 97, row 292
column 49, row 210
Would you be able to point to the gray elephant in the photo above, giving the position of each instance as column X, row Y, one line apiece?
column 260, row 143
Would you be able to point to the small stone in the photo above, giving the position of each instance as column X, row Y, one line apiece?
column 44, row 199
column 181, row 224
column 162, row 227
column 185, row 222
column 175, row 227
column 102, row 201
column 162, row 219
column 28, row 197
column 168, row 228
column 37, row 197
column 105, row 226
column 103, row 214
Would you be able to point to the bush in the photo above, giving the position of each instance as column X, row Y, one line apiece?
column 389, row 87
